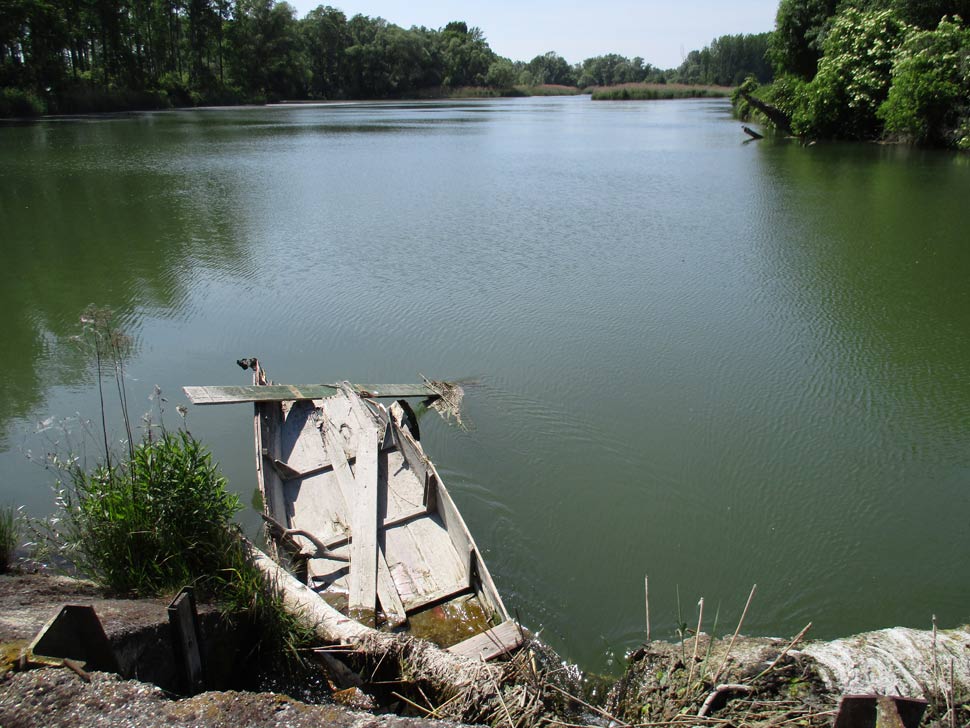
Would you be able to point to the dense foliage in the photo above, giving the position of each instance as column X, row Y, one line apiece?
column 62, row 55
column 727, row 61
column 151, row 524
column 69, row 56
column 868, row 69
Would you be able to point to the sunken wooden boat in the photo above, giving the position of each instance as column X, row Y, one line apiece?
column 359, row 514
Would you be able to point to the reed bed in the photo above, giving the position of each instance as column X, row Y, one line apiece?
column 653, row 91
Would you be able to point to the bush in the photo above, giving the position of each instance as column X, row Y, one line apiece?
column 853, row 76
column 930, row 94
column 17, row 102
column 151, row 524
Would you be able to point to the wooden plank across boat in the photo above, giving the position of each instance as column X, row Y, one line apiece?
column 356, row 507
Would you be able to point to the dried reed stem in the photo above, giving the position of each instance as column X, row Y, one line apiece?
column 646, row 591
column 734, row 637
column 697, row 637
column 784, row 652
column 600, row 711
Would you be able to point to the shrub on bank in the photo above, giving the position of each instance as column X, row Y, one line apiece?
column 15, row 102
column 151, row 524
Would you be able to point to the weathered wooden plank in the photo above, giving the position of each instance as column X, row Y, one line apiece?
column 452, row 520
column 491, row 643
column 301, row 443
column 283, row 392
column 420, row 601
column 363, row 526
column 404, row 518
column 388, row 595
column 268, row 421
column 318, row 506
column 363, row 568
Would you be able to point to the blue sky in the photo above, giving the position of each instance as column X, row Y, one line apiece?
column 662, row 31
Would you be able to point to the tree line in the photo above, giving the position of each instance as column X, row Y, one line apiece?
column 90, row 55
column 872, row 69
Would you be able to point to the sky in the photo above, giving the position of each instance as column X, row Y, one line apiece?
column 662, row 32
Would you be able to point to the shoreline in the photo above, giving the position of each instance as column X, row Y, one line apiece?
column 658, row 684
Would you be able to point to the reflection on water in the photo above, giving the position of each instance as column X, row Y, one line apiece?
column 711, row 362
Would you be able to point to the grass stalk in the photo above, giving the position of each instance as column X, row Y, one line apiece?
column 697, row 637
column 781, row 655
column 737, row 631
column 681, row 627
column 646, row 591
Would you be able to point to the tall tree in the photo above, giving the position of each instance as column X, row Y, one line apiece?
column 326, row 38
column 800, row 26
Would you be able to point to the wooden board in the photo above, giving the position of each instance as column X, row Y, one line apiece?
column 388, row 595
column 284, row 392
column 363, row 525
column 302, row 445
column 491, row 643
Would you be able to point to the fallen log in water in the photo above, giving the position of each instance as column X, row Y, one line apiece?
column 433, row 681
column 777, row 117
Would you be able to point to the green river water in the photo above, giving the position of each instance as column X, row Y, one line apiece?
column 712, row 362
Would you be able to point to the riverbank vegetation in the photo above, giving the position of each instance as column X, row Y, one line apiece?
column 154, row 515
column 61, row 57
column 870, row 69
column 650, row 91
column 9, row 536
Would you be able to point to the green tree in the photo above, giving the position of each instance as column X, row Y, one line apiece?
column 548, row 68
column 502, row 74
column 465, row 54
column 326, row 38
column 265, row 50
column 800, row 27
column 929, row 101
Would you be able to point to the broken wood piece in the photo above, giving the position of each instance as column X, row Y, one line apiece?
column 78, row 670
column 491, row 643
column 394, row 612
column 751, row 132
column 183, row 619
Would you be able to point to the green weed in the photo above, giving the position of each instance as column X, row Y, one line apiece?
column 10, row 529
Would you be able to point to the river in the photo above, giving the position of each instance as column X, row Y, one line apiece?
column 713, row 362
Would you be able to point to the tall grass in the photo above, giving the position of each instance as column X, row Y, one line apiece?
column 150, row 523
column 550, row 89
column 652, row 91
column 9, row 536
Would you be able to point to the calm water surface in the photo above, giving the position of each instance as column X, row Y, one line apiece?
column 711, row 362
